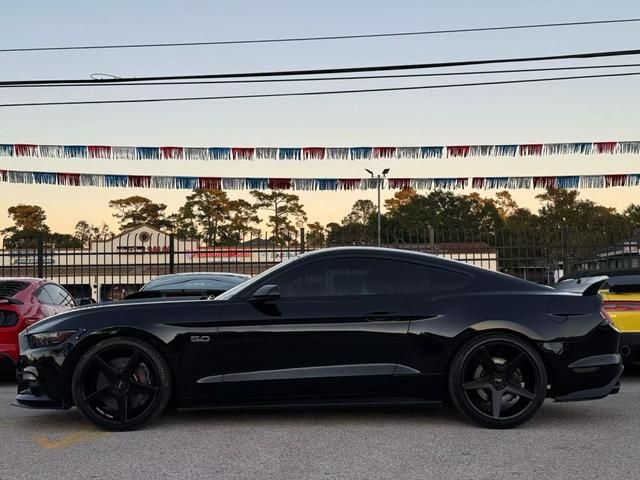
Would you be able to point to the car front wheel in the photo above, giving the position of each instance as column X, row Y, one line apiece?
column 498, row 381
column 121, row 383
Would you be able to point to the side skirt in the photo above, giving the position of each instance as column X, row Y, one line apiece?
column 325, row 403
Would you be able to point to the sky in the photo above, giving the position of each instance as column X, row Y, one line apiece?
column 587, row 110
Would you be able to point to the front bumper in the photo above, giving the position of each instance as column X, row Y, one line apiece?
column 31, row 391
column 41, row 377
column 28, row 400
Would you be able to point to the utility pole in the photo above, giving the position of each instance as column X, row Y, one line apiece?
column 380, row 178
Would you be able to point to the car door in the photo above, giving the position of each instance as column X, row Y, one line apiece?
column 337, row 329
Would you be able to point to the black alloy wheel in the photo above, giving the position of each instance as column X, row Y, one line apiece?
column 498, row 381
column 121, row 383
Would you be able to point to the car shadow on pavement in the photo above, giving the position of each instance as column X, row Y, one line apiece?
column 568, row 414
column 443, row 414
column 431, row 416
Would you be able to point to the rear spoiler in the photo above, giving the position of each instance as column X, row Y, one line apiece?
column 594, row 288
column 11, row 301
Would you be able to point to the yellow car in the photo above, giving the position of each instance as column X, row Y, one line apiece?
column 621, row 294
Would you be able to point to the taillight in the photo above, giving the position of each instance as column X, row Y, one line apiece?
column 622, row 306
column 605, row 316
column 8, row 318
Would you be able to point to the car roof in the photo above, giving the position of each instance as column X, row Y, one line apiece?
column 22, row 279
column 400, row 253
column 363, row 250
column 420, row 257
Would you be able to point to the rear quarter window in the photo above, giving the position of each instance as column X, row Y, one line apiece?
column 426, row 279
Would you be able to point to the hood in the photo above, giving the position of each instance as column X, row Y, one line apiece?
column 85, row 316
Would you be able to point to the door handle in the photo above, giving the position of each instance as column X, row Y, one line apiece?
column 382, row 316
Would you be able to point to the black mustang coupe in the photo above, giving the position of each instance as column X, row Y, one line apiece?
column 341, row 326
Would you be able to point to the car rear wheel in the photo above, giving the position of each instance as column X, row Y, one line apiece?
column 121, row 383
column 497, row 381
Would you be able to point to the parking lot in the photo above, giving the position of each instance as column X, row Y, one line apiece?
column 587, row 440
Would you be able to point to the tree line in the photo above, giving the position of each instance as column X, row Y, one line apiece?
column 213, row 218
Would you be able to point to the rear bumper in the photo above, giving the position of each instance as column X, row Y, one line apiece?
column 10, row 350
column 630, row 347
column 585, row 369
column 630, row 338
column 7, row 365
column 601, row 365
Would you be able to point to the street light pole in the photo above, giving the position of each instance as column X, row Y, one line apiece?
column 380, row 178
column 379, row 215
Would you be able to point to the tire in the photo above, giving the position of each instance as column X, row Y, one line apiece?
column 7, row 369
column 497, row 381
column 121, row 384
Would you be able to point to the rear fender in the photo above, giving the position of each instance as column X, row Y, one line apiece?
column 506, row 326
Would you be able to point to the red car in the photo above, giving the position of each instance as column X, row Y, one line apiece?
column 24, row 301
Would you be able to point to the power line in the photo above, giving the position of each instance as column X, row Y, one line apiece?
column 320, row 38
column 327, row 71
column 318, row 79
column 315, row 93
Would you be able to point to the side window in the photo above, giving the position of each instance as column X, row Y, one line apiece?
column 344, row 276
column 58, row 295
column 423, row 278
column 43, row 296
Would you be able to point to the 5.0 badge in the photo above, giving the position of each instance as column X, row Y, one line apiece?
column 200, row 338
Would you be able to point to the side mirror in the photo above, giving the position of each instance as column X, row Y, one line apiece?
column 266, row 292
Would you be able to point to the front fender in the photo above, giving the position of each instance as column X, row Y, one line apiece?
column 93, row 338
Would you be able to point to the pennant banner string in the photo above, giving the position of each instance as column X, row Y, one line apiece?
column 317, row 153
column 308, row 184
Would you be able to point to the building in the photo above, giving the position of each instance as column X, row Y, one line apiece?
column 622, row 255
column 112, row 268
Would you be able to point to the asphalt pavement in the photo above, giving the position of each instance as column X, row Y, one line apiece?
column 588, row 440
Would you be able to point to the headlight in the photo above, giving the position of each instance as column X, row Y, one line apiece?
column 47, row 339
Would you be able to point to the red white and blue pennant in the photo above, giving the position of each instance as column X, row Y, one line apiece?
column 317, row 153
column 311, row 184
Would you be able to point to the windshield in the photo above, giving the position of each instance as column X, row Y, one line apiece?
column 248, row 284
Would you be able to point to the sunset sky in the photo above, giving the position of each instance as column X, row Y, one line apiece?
column 586, row 110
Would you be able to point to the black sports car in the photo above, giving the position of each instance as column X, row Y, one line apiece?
column 340, row 326
column 180, row 285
